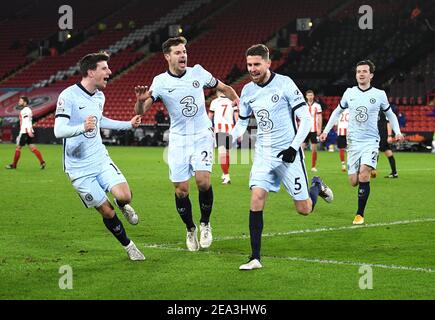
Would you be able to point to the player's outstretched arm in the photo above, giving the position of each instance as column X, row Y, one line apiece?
column 229, row 92
column 335, row 116
column 143, row 99
column 107, row 123
column 394, row 124
column 62, row 129
column 239, row 129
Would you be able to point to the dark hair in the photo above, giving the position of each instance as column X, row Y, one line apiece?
column 89, row 61
column 367, row 63
column 258, row 50
column 309, row 91
column 166, row 46
column 25, row 99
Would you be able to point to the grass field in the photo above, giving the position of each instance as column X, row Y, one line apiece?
column 45, row 226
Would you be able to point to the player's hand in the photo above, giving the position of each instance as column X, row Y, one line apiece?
column 288, row 155
column 400, row 137
column 390, row 140
column 236, row 102
column 136, row 121
column 90, row 123
column 142, row 93
column 323, row 137
column 30, row 134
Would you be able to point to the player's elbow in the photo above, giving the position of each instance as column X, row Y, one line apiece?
column 57, row 132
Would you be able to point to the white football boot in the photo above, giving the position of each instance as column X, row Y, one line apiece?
column 206, row 237
column 226, row 179
column 325, row 192
column 251, row 265
column 129, row 213
column 192, row 239
column 133, row 252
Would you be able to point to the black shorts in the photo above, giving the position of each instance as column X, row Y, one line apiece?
column 223, row 139
column 312, row 137
column 383, row 144
column 341, row 142
column 24, row 139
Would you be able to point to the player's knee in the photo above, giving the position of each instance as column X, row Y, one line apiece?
column 364, row 176
column 203, row 186
column 124, row 197
column 106, row 210
column 304, row 208
column 181, row 191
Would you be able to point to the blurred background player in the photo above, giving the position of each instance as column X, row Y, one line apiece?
column 276, row 102
column 26, row 134
column 342, row 124
column 79, row 118
column 316, row 127
column 387, row 138
column 364, row 103
column 224, row 116
column 191, row 139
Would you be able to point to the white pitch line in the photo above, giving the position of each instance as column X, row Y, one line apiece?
column 306, row 260
column 324, row 229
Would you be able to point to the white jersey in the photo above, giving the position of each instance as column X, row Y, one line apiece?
column 85, row 153
column 315, row 109
column 26, row 120
column 273, row 105
column 183, row 97
column 223, row 114
column 364, row 107
column 343, row 123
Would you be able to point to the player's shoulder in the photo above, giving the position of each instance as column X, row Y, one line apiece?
column 378, row 91
column 317, row 105
column 248, row 88
column 283, row 78
column 68, row 91
column 196, row 68
column 162, row 76
column 26, row 110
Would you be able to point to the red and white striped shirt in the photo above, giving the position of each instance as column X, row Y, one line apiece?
column 315, row 109
column 26, row 120
column 343, row 122
column 223, row 114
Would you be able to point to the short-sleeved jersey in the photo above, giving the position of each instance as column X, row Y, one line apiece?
column 183, row 97
column 273, row 104
column 223, row 117
column 315, row 109
column 364, row 107
column 343, row 123
column 26, row 120
column 84, row 153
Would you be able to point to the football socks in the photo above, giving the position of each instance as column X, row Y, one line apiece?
column 255, row 230
column 115, row 226
column 184, row 208
column 206, row 204
column 363, row 195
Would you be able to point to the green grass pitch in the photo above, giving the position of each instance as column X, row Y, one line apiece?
column 44, row 226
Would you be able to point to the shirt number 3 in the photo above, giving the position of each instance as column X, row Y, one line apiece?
column 190, row 108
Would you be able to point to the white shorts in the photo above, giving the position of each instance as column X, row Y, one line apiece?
column 92, row 188
column 268, row 173
column 362, row 154
column 188, row 154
